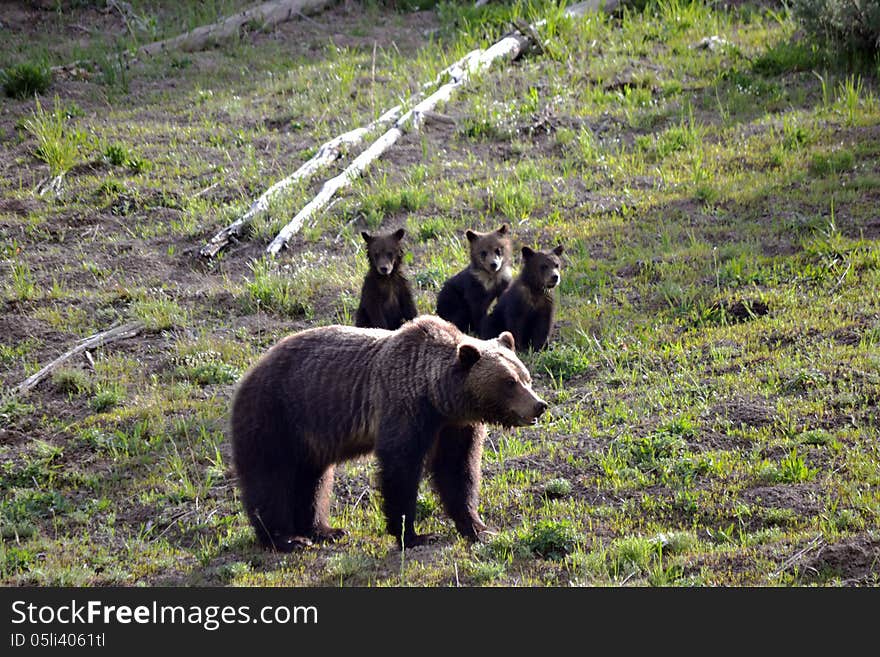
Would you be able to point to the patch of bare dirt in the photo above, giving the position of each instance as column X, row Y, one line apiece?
column 707, row 439
column 805, row 499
column 752, row 412
column 743, row 310
column 737, row 565
column 854, row 561
column 20, row 207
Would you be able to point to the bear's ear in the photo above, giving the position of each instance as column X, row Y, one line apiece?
column 471, row 235
column 399, row 233
column 367, row 237
column 527, row 253
column 503, row 230
column 558, row 250
column 468, row 354
column 506, row 340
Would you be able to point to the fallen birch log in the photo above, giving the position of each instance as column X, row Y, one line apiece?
column 265, row 15
column 327, row 153
column 510, row 47
column 411, row 119
column 589, row 6
column 97, row 340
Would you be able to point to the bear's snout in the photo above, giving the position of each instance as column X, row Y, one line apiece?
column 384, row 269
column 531, row 409
column 554, row 280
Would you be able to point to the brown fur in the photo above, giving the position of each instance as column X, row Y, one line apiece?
column 465, row 297
column 386, row 298
column 417, row 397
column 526, row 309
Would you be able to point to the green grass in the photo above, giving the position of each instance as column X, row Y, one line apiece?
column 58, row 144
column 22, row 286
column 207, row 368
column 273, row 291
column 713, row 373
column 71, row 381
column 158, row 312
column 26, row 80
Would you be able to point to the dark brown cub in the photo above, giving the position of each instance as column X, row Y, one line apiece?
column 386, row 297
column 465, row 297
column 526, row 309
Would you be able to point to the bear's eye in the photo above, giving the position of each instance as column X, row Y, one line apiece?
column 543, row 267
column 389, row 255
column 498, row 252
column 483, row 254
column 510, row 383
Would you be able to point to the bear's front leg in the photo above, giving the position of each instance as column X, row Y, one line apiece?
column 401, row 451
column 455, row 468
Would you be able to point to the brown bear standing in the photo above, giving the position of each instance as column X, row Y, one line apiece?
column 417, row 397
column 386, row 298
column 526, row 308
column 465, row 298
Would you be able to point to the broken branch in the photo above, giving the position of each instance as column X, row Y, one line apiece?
column 97, row 340
column 265, row 15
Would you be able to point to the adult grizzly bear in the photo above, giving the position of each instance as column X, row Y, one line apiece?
column 386, row 297
column 417, row 397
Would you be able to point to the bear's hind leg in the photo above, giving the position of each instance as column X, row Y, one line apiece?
column 288, row 512
column 322, row 531
column 455, row 469
column 271, row 513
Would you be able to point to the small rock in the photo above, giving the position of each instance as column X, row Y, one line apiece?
column 712, row 43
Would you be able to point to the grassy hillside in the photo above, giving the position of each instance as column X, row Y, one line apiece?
column 714, row 375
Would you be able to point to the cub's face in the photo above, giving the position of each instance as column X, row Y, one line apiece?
column 490, row 251
column 498, row 385
column 384, row 251
column 543, row 267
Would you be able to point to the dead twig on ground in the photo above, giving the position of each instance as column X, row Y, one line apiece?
column 98, row 340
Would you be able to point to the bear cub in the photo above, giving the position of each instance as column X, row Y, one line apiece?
column 386, row 298
column 526, row 308
column 465, row 297
column 417, row 397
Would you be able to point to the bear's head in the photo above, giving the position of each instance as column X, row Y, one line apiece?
column 497, row 386
column 385, row 251
column 540, row 269
column 490, row 251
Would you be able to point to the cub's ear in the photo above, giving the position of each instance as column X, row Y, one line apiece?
column 468, row 354
column 503, row 230
column 527, row 253
column 471, row 235
column 399, row 233
column 506, row 340
column 367, row 237
column 558, row 250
